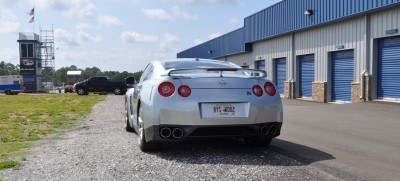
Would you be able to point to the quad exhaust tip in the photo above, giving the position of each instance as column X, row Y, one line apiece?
column 272, row 130
column 177, row 133
column 268, row 130
column 165, row 132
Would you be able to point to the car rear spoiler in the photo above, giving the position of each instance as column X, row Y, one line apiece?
column 180, row 73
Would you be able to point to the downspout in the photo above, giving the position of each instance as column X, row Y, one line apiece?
column 362, row 84
column 368, row 56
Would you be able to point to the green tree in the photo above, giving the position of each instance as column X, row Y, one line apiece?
column 8, row 68
column 137, row 75
column 61, row 74
column 91, row 72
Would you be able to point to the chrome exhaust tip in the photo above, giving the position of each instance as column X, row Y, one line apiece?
column 264, row 130
column 177, row 133
column 272, row 130
column 165, row 132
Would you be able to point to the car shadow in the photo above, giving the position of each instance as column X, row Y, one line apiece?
column 236, row 152
column 305, row 154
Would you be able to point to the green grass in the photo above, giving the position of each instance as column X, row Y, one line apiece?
column 24, row 118
column 9, row 164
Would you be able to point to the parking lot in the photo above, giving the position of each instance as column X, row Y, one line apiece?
column 318, row 142
column 360, row 139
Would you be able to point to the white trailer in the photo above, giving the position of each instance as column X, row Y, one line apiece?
column 10, row 84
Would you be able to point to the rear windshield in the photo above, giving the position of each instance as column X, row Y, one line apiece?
column 198, row 64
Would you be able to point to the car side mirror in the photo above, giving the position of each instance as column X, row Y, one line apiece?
column 130, row 81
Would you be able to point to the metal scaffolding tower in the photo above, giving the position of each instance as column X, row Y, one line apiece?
column 47, row 54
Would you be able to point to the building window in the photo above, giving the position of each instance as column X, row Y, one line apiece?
column 260, row 65
column 26, row 50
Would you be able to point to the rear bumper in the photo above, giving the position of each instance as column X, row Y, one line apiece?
column 213, row 131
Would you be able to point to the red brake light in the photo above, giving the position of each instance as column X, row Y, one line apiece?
column 257, row 90
column 184, row 90
column 166, row 89
column 269, row 88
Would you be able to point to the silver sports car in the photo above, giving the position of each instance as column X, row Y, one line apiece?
column 199, row 98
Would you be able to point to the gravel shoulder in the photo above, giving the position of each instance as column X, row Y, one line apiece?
column 99, row 148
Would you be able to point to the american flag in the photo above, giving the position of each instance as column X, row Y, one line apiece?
column 32, row 19
column 31, row 12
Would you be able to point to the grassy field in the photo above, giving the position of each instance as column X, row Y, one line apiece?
column 24, row 118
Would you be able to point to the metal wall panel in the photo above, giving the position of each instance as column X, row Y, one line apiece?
column 389, row 68
column 383, row 21
column 271, row 49
column 230, row 43
column 284, row 17
column 306, row 78
column 280, row 74
column 322, row 40
column 288, row 15
column 241, row 59
column 342, row 74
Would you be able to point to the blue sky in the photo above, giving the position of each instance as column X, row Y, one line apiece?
column 121, row 35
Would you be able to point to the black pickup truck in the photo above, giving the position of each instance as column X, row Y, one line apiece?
column 100, row 85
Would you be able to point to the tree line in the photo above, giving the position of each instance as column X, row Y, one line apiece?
column 8, row 68
column 60, row 75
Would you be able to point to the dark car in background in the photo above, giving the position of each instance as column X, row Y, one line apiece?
column 100, row 84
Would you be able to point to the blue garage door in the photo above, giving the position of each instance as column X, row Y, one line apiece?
column 342, row 75
column 306, row 75
column 389, row 68
column 280, row 74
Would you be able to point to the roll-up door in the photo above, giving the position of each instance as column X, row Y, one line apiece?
column 389, row 68
column 342, row 75
column 280, row 74
column 306, row 75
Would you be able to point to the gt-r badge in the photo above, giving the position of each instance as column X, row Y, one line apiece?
column 248, row 93
column 222, row 83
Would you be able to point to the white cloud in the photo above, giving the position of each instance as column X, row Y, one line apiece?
column 234, row 21
column 9, row 26
column 158, row 14
column 169, row 38
column 83, row 26
column 110, row 21
column 214, row 35
column 184, row 15
column 8, row 21
column 204, row 1
column 168, row 43
column 8, row 55
column 115, row 59
column 134, row 37
column 86, row 37
column 198, row 41
column 71, row 8
column 65, row 38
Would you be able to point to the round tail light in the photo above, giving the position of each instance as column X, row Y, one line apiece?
column 184, row 90
column 257, row 90
column 166, row 89
column 269, row 88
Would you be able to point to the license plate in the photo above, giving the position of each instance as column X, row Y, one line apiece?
column 210, row 110
column 221, row 110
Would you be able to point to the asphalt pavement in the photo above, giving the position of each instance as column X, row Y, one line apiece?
column 351, row 141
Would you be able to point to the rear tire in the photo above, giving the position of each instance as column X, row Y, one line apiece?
column 81, row 92
column 143, row 144
column 117, row 91
column 258, row 142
